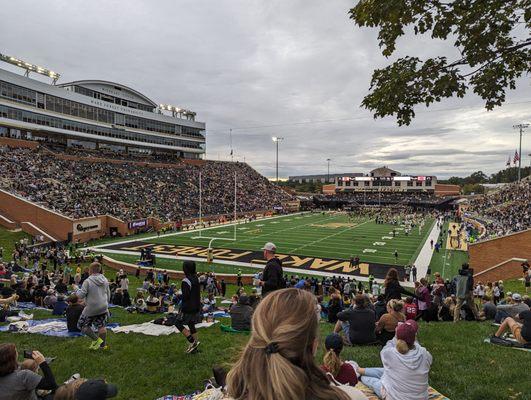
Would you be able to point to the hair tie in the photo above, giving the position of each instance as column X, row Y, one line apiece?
column 271, row 348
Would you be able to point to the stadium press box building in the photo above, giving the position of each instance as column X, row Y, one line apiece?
column 94, row 114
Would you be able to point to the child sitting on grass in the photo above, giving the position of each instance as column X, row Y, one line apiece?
column 342, row 371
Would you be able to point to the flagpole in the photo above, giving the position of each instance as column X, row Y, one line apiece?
column 521, row 127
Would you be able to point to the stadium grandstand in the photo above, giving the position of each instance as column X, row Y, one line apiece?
column 94, row 114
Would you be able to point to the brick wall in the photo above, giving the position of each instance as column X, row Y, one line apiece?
column 510, row 269
column 20, row 210
column 489, row 253
column 247, row 279
column 442, row 189
column 18, row 143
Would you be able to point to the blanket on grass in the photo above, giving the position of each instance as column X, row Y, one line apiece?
column 511, row 344
column 151, row 329
column 49, row 327
column 432, row 393
column 218, row 314
column 26, row 305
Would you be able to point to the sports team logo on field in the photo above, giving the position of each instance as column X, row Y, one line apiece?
column 291, row 261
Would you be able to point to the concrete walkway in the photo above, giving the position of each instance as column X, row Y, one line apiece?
column 424, row 258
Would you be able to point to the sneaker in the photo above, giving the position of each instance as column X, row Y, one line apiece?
column 193, row 346
column 95, row 345
column 72, row 378
column 104, row 347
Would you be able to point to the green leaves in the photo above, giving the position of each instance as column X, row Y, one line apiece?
column 488, row 34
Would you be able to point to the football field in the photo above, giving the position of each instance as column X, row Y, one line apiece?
column 328, row 235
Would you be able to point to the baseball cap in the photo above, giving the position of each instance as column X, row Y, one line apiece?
column 96, row 389
column 407, row 331
column 516, row 297
column 334, row 342
column 269, row 247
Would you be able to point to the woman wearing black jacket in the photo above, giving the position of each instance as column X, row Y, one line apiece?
column 190, row 306
column 392, row 287
column 19, row 384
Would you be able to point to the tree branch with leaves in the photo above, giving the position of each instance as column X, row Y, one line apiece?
column 492, row 36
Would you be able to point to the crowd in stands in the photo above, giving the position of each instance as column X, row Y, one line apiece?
column 504, row 211
column 383, row 197
column 102, row 152
column 128, row 192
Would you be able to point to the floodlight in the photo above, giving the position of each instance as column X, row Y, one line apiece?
column 30, row 67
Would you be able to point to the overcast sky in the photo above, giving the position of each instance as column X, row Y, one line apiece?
column 296, row 69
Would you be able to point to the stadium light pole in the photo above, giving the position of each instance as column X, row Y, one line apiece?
column 328, row 174
column 520, row 127
column 277, row 140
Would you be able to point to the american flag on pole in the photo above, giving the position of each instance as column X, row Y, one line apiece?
column 516, row 157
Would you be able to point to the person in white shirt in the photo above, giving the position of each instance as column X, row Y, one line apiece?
column 406, row 367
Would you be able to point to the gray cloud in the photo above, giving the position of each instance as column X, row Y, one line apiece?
column 249, row 63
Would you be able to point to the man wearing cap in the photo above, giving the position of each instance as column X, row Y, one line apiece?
column 96, row 389
column 272, row 277
column 511, row 310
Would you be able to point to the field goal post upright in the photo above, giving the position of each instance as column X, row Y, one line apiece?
column 213, row 238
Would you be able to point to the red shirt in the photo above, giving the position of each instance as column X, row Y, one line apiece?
column 346, row 375
column 411, row 311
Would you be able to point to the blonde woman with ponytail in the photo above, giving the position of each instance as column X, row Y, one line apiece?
column 278, row 362
column 406, row 367
column 342, row 372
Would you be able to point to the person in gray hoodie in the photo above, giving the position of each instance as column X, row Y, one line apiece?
column 406, row 367
column 95, row 291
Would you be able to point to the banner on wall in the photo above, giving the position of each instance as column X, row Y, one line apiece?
column 89, row 225
column 141, row 223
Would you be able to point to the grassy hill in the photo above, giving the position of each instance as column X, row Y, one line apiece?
column 146, row 367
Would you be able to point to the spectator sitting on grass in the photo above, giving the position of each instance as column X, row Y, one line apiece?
column 209, row 303
column 380, row 307
column 359, row 322
column 60, row 306
column 410, row 308
column 19, row 384
column 406, row 367
column 6, row 300
column 386, row 326
column 334, row 307
column 512, row 309
column 446, row 311
column 278, row 361
column 521, row 332
column 50, row 299
column 241, row 314
column 92, row 389
column 73, row 312
column 152, row 302
column 68, row 390
column 489, row 309
column 343, row 372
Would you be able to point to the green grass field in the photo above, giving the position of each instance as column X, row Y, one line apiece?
column 313, row 235
column 146, row 367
